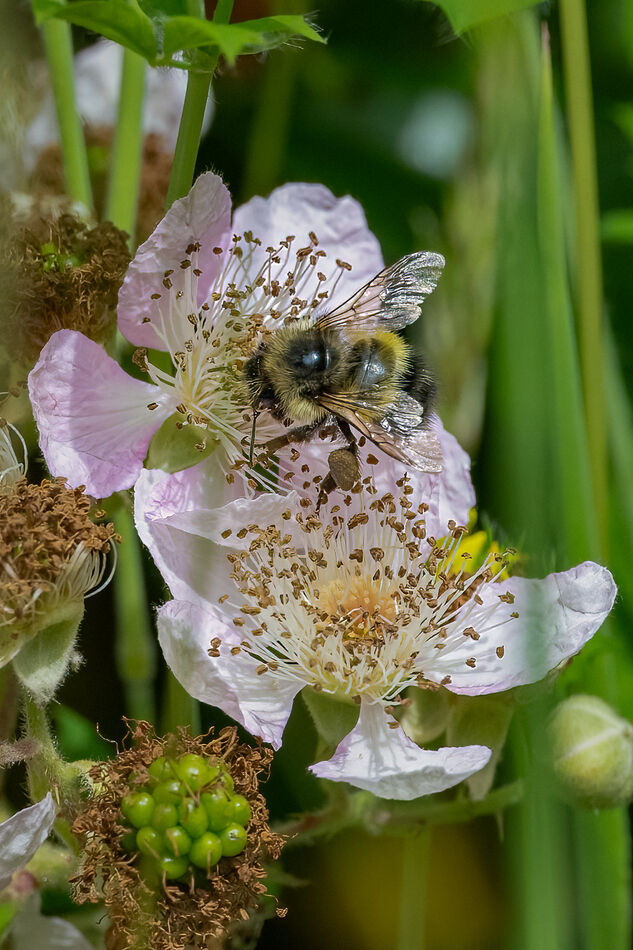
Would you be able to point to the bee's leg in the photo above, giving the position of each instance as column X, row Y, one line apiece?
column 298, row 434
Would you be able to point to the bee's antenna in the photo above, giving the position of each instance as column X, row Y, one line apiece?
column 252, row 450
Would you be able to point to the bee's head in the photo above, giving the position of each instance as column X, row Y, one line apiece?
column 309, row 353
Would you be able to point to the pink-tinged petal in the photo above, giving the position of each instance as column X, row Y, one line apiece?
column 192, row 567
column 457, row 495
column 93, row 419
column 556, row 617
column 339, row 224
column 189, row 521
column 201, row 216
column 22, row 834
column 387, row 763
column 261, row 703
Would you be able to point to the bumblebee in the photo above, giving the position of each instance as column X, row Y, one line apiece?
column 349, row 371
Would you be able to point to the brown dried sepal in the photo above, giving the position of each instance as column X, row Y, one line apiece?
column 38, row 301
column 178, row 915
column 41, row 527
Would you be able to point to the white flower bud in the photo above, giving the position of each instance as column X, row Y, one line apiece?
column 592, row 752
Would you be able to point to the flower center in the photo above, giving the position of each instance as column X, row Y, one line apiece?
column 359, row 605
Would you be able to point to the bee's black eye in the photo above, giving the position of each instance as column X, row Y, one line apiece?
column 309, row 356
column 314, row 359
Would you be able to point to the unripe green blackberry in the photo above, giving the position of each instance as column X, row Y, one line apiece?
column 187, row 811
column 592, row 752
column 168, row 878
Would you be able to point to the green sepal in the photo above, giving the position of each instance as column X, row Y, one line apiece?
column 173, row 450
column 481, row 720
column 333, row 718
column 42, row 663
column 427, row 715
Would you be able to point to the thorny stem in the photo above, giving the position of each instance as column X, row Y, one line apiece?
column 123, row 187
column 377, row 816
column 59, row 52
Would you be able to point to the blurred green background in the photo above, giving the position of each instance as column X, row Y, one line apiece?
column 448, row 144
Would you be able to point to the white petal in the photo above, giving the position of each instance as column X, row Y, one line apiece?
column 387, row 763
column 261, row 703
column 32, row 930
column 93, row 419
column 557, row 616
column 22, row 834
column 339, row 224
column 204, row 216
column 182, row 519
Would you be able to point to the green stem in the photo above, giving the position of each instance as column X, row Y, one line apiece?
column 123, row 187
column 135, row 648
column 59, row 52
column 193, row 112
column 416, row 852
column 588, row 267
column 180, row 708
column 188, row 136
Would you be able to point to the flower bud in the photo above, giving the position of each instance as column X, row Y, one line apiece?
column 592, row 752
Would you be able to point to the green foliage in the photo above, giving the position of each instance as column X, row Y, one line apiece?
column 465, row 14
column 164, row 34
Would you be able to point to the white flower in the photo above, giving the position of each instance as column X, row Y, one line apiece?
column 360, row 604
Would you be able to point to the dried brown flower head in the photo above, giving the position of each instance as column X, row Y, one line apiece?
column 48, row 174
column 60, row 274
column 171, row 915
column 51, row 551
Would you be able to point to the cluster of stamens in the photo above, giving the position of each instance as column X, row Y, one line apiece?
column 357, row 604
column 210, row 344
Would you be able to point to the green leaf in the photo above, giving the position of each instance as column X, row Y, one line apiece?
column 163, row 32
column 187, row 32
column 464, row 14
column 333, row 718
column 118, row 20
column 289, row 26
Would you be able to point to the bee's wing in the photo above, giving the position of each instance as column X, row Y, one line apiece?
column 392, row 299
column 398, row 434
